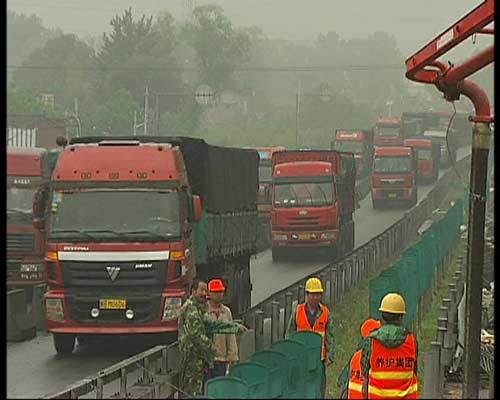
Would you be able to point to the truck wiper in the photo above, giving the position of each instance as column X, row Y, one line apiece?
column 119, row 234
column 324, row 194
column 148, row 232
column 78, row 231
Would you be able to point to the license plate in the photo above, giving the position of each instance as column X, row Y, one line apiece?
column 391, row 195
column 112, row 304
column 304, row 236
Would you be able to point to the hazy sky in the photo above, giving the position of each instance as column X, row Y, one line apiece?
column 412, row 22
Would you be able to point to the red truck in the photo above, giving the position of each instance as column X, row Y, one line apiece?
column 428, row 155
column 27, row 175
column 387, row 132
column 313, row 202
column 132, row 220
column 360, row 143
column 394, row 176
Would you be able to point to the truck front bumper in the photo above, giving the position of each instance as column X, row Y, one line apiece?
column 392, row 194
column 304, row 238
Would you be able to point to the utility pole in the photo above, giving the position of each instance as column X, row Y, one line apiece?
column 135, row 123
column 481, row 136
column 146, row 107
column 297, row 121
column 157, row 114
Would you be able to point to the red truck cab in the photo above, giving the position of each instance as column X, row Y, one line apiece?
column 428, row 158
column 126, row 232
column 360, row 143
column 394, row 176
column 387, row 132
column 312, row 202
column 27, row 177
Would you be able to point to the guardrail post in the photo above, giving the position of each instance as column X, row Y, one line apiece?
column 275, row 321
column 431, row 373
column 123, row 383
column 146, row 375
column 333, row 287
column 440, row 338
column 301, row 294
column 322, row 278
column 259, row 330
column 99, row 388
column 288, row 310
column 249, row 320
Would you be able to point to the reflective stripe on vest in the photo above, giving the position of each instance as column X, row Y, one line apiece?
column 392, row 371
column 320, row 325
column 355, row 388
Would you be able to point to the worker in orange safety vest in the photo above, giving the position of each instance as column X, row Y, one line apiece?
column 355, row 384
column 389, row 358
column 313, row 316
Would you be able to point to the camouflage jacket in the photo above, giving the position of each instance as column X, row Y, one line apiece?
column 196, row 331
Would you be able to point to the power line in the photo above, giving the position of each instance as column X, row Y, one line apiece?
column 179, row 68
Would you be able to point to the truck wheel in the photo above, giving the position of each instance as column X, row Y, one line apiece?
column 64, row 343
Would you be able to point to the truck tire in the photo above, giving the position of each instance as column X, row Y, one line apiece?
column 64, row 343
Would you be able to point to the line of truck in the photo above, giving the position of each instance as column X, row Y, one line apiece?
column 119, row 226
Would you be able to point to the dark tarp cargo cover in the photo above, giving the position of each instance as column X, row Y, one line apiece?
column 226, row 178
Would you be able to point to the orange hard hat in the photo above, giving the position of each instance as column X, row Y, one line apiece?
column 369, row 326
column 216, row 285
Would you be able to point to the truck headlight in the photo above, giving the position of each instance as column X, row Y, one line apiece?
column 328, row 236
column 280, row 236
column 54, row 309
column 172, row 308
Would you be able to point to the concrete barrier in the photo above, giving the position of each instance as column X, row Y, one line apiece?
column 38, row 307
column 20, row 325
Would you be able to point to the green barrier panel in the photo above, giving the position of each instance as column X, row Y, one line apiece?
column 277, row 364
column 296, row 354
column 255, row 375
column 227, row 387
column 313, row 343
column 412, row 275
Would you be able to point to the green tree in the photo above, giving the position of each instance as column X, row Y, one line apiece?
column 219, row 47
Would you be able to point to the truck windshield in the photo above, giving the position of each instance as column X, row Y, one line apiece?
column 20, row 199
column 303, row 194
column 349, row 146
column 153, row 215
column 392, row 165
column 424, row 154
column 20, row 205
column 386, row 130
column 265, row 173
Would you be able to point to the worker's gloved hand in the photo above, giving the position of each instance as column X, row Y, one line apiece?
column 243, row 328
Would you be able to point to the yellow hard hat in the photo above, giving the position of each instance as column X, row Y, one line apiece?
column 313, row 285
column 393, row 303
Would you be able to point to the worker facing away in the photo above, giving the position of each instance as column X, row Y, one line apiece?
column 313, row 316
column 355, row 383
column 389, row 358
column 195, row 339
column 225, row 346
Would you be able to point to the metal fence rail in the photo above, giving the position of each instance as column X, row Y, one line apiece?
column 268, row 319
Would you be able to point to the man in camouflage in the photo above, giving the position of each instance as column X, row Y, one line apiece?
column 195, row 338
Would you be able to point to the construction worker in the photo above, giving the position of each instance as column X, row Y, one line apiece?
column 195, row 337
column 354, row 389
column 389, row 358
column 225, row 346
column 314, row 317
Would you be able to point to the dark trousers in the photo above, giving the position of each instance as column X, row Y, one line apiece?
column 323, row 381
column 219, row 369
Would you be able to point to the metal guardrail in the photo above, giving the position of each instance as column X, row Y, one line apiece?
column 268, row 319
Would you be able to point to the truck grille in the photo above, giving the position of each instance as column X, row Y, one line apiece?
column 303, row 221
column 145, row 304
column 20, row 243
column 95, row 274
column 12, row 270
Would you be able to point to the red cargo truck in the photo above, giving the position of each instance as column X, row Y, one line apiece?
column 313, row 202
column 360, row 143
column 387, row 132
column 394, row 176
column 428, row 155
column 27, row 176
column 132, row 220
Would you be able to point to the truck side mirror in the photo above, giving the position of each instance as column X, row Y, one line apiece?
column 197, row 208
column 39, row 200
